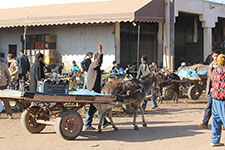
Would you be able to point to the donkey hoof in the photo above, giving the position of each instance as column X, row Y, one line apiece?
column 136, row 128
column 145, row 124
column 116, row 129
column 100, row 131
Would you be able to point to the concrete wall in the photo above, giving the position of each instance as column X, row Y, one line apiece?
column 208, row 11
column 10, row 37
column 73, row 41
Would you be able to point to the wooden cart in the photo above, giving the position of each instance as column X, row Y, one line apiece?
column 68, row 123
column 193, row 88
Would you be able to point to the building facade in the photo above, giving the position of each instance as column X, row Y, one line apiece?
column 199, row 29
column 168, row 32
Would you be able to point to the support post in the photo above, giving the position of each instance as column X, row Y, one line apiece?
column 117, row 42
column 207, row 41
column 195, row 38
column 24, row 38
column 160, row 44
column 138, row 44
column 168, row 48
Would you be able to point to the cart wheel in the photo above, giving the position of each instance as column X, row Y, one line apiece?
column 30, row 123
column 194, row 92
column 69, row 124
column 129, row 109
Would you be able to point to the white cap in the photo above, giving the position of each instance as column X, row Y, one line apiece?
column 183, row 64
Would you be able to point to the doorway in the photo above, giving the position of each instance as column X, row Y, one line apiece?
column 148, row 42
column 13, row 50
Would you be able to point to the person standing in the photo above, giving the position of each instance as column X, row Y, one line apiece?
column 208, row 109
column 144, row 70
column 210, row 58
column 14, row 72
column 182, row 66
column 218, row 100
column 5, row 80
column 94, row 84
column 154, row 67
column 37, row 71
column 24, row 65
column 85, row 66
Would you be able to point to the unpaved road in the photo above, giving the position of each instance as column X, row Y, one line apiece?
column 170, row 127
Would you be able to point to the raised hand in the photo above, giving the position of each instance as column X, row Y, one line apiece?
column 100, row 48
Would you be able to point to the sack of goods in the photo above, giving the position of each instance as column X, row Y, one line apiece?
column 53, row 86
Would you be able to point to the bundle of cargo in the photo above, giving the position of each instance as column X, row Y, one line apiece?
column 53, row 86
column 196, row 71
column 50, row 56
column 41, row 43
column 76, row 81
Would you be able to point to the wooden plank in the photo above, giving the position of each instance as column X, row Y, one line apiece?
column 16, row 95
column 10, row 94
column 64, row 101
column 70, row 99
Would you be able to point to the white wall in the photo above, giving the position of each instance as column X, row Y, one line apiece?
column 73, row 41
column 10, row 37
column 208, row 11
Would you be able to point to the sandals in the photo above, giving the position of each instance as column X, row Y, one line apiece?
column 216, row 144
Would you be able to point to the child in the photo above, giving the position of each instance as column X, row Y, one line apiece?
column 74, row 68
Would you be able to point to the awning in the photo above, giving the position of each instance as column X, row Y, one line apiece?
column 84, row 12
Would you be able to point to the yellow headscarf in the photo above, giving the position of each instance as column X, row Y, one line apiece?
column 221, row 60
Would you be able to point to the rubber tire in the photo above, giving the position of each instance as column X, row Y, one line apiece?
column 65, row 117
column 192, row 90
column 25, row 116
column 129, row 109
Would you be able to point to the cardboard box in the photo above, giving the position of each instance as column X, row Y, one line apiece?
column 50, row 60
column 50, row 38
column 50, row 52
column 40, row 38
column 50, row 45
column 28, row 52
column 31, row 59
column 37, row 45
column 42, row 45
column 33, row 52
column 42, row 51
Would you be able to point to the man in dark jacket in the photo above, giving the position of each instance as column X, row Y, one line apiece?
column 87, row 62
column 210, row 58
column 24, row 65
column 94, row 84
column 37, row 72
column 85, row 66
column 208, row 109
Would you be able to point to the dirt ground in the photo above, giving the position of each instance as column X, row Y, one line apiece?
column 170, row 127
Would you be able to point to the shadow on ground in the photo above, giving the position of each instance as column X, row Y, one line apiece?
column 161, row 111
column 143, row 134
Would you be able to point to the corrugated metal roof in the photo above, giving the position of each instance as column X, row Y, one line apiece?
column 84, row 12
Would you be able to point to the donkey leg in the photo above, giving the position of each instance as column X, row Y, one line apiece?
column 143, row 117
column 134, row 121
column 100, row 123
column 111, row 120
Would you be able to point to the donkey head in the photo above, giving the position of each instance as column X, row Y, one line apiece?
column 149, row 81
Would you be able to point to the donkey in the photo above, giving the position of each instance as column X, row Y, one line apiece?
column 134, row 92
